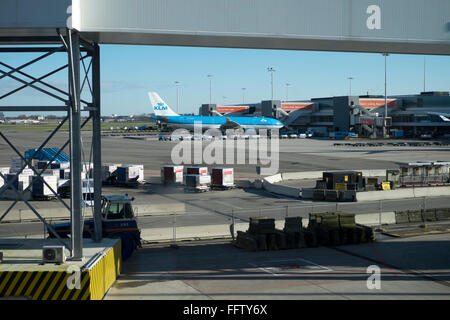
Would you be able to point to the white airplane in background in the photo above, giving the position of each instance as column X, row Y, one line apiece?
column 25, row 121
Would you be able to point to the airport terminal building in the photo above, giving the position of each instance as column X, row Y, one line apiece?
column 407, row 115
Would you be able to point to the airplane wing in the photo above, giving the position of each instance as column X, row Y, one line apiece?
column 443, row 116
column 230, row 124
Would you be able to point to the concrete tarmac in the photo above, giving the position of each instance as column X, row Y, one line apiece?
column 217, row 207
column 294, row 154
column 412, row 268
column 221, row 271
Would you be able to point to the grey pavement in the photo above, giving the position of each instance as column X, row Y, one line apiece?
column 221, row 271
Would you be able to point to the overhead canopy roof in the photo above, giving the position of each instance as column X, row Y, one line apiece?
column 394, row 26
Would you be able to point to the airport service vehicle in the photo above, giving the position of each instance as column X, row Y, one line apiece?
column 171, row 138
column 426, row 136
column 186, row 138
column 339, row 135
column 165, row 114
column 118, row 221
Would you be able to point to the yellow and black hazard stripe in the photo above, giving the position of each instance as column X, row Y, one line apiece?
column 43, row 285
column 53, row 285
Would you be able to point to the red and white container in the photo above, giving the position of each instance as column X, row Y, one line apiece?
column 222, row 177
column 203, row 171
column 171, row 174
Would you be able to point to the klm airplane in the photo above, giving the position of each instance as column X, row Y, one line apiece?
column 165, row 114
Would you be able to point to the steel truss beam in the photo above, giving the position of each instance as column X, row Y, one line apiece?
column 77, row 50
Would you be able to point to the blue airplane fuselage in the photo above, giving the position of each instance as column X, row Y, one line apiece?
column 208, row 122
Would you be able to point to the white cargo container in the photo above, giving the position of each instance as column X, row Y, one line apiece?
column 64, row 173
column 51, row 172
column 197, row 182
column 197, row 170
column 171, row 174
column 40, row 189
column 222, row 177
column 26, row 180
column 21, row 183
column 130, row 172
column 86, row 166
column 41, row 164
column 108, row 170
column 197, row 179
column 140, row 172
column 60, row 165
column 87, row 189
column 84, row 175
column 4, row 171
column 27, row 170
column 204, row 179
column 88, row 169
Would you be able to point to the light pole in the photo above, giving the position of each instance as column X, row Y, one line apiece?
column 350, row 79
column 287, row 91
column 210, row 99
column 385, row 93
column 176, row 84
column 271, row 70
column 243, row 95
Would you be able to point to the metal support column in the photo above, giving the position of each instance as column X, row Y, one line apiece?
column 70, row 43
column 96, row 142
column 75, row 145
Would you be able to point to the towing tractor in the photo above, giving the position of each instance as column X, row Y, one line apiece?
column 118, row 221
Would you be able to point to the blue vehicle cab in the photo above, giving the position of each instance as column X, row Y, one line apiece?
column 118, row 221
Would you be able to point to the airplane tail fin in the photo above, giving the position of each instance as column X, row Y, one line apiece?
column 160, row 108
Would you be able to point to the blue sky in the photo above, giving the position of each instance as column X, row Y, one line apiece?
column 129, row 72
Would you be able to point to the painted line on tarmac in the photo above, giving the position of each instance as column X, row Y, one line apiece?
column 229, row 205
column 267, row 269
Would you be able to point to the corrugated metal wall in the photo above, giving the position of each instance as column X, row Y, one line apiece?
column 404, row 20
column 33, row 13
column 395, row 26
